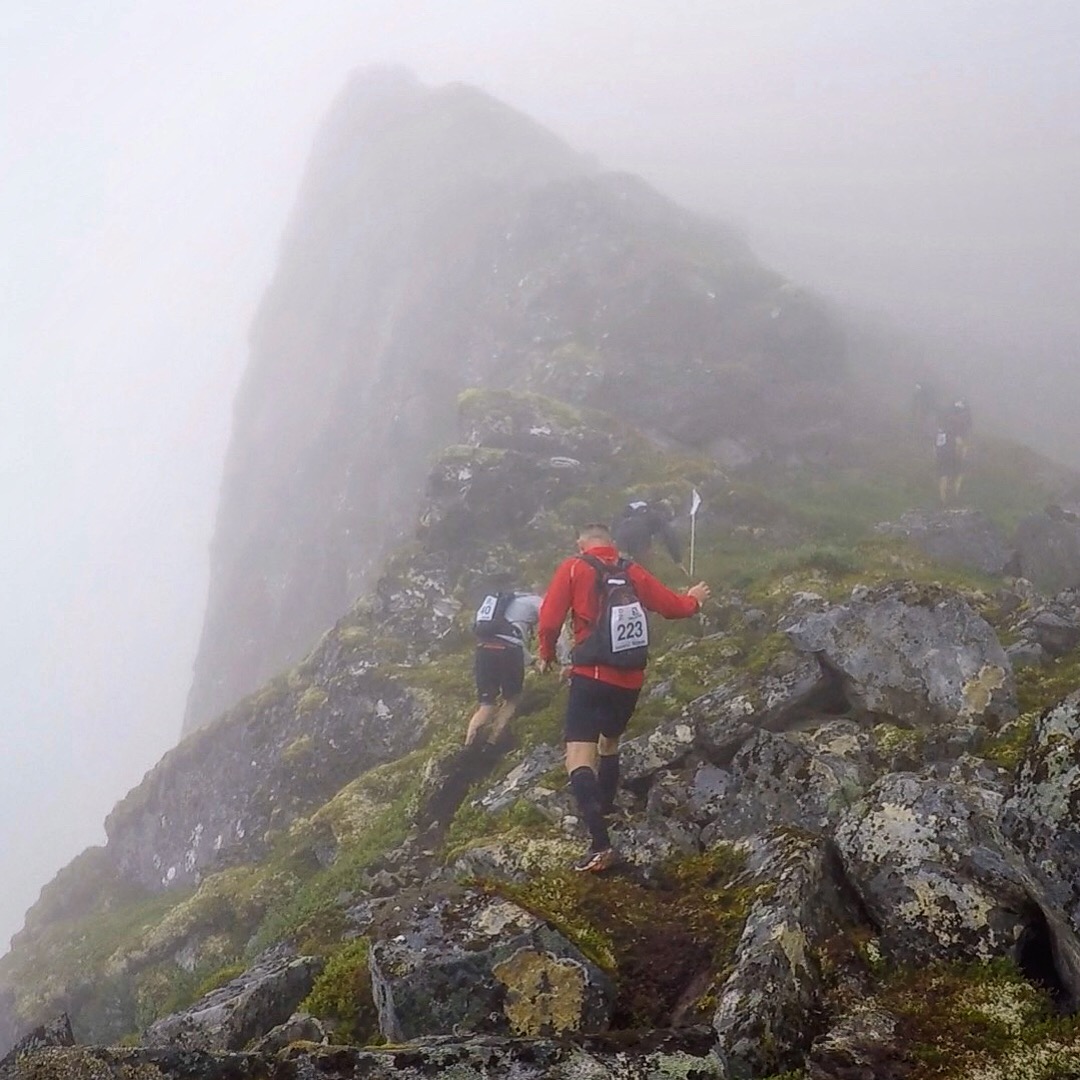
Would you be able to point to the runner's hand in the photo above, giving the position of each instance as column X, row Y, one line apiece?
column 700, row 592
column 544, row 666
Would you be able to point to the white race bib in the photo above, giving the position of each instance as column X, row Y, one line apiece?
column 629, row 628
column 487, row 609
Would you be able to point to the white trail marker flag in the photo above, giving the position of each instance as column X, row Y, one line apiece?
column 695, row 504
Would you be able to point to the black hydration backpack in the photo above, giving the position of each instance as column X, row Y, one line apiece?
column 491, row 620
column 620, row 636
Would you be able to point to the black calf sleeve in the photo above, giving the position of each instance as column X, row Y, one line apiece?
column 587, row 795
column 607, row 779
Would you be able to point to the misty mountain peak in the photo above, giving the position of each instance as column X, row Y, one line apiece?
column 441, row 241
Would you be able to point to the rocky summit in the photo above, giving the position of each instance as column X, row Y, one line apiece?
column 846, row 813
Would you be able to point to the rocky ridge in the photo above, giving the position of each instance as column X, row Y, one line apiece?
column 839, row 804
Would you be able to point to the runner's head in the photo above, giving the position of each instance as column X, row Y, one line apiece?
column 593, row 535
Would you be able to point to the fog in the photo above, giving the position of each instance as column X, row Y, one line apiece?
column 918, row 161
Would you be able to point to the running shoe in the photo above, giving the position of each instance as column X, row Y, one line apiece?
column 596, row 862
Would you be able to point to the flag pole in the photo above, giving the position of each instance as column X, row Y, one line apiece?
column 695, row 503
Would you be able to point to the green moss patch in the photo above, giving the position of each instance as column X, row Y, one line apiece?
column 1040, row 686
column 342, row 995
column 981, row 1022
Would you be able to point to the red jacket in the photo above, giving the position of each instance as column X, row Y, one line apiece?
column 573, row 589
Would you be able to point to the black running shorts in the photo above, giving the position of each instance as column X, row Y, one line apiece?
column 500, row 668
column 597, row 708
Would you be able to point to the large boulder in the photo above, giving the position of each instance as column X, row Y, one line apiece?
column 919, row 654
column 1048, row 548
column 1041, row 817
column 769, row 1009
column 463, row 961
column 934, row 872
column 956, row 537
column 247, row 1008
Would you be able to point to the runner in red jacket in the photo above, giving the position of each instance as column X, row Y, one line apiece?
column 602, row 698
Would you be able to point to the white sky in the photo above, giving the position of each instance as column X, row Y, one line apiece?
column 919, row 157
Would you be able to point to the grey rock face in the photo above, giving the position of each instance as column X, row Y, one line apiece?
column 245, row 1009
column 1048, row 549
column 957, row 537
column 918, row 654
column 934, row 871
column 766, row 1014
column 1041, row 817
column 218, row 794
column 56, row 1032
column 462, row 961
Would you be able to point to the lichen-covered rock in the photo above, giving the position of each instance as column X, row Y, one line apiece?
column 768, row 1010
column 933, row 870
column 802, row 779
column 915, row 653
column 57, row 1032
column 244, row 1009
column 1041, row 817
column 516, row 859
column 661, row 748
column 957, row 537
column 462, row 961
column 684, row 1054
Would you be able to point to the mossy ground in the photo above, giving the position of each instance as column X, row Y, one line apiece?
column 981, row 1022
column 656, row 941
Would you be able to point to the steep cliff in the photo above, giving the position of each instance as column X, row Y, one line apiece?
column 442, row 241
